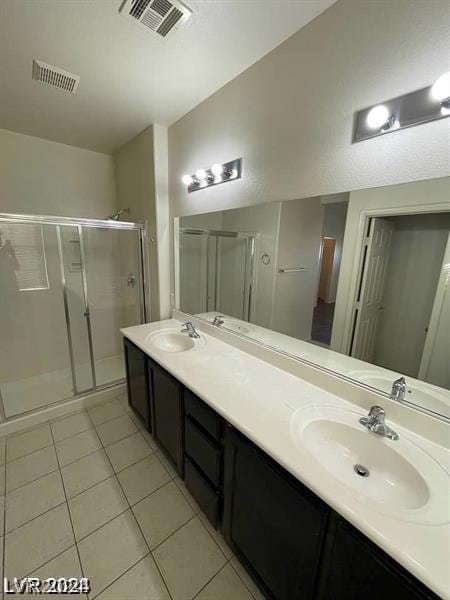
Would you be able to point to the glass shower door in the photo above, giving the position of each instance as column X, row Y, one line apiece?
column 35, row 366
column 112, row 263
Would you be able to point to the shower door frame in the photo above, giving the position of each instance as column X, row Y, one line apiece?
column 79, row 223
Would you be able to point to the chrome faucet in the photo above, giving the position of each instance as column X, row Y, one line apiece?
column 375, row 423
column 398, row 391
column 218, row 320
column 190, row 330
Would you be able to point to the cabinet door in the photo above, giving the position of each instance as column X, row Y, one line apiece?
column 358, row 570
column 137, row 381
column 271, row 521
column 167, row 415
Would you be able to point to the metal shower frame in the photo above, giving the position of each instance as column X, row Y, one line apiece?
column 80, row 223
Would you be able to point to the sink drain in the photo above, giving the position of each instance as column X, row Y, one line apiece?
column 361, row 470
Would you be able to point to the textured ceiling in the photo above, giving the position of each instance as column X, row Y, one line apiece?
column 130, row 78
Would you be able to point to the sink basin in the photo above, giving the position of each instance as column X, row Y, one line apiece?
column 425, row 396
column 397, row 477
column 171, row 340
column 237, row 326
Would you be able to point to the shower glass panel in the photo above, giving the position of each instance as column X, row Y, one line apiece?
column 114, row 288
column 194, row 270
column 216, row 272
column 35, row 368
column 67, row 286
column 232, row 277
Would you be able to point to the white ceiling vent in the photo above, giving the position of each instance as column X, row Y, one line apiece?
column 55, row 77
column 160, row 16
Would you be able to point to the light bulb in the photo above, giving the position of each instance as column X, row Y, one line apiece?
column 217, row 169
column 187, row 179
column 441, row 87
column 377, row 116
column 201, row 174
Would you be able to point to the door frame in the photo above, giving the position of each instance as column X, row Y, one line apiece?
column 433, row 324
column 358, row 259
column 79, row 223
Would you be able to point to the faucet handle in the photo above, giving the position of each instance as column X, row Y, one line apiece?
column 377, row 411
column 401, row 381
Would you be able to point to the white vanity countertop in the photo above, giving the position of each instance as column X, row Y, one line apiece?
column 260, row 400
column 419, row 392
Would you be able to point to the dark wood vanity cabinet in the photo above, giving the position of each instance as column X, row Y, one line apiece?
column 137, row 381
column 292, row 543
column 272, row 522
column 355, row 568
column 203, row 446
column 167, row 413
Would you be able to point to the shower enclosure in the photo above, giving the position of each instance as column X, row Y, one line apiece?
column 67, row 286
column 217, row 272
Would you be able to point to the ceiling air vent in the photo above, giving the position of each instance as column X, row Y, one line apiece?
column 55, row 77
column 160, row 16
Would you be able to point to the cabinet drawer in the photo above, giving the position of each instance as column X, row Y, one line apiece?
column 203, row 451
column 204, row 415
column 202, row 491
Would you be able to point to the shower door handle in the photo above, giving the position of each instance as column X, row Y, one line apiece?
column 131, row 280
column 86, row 314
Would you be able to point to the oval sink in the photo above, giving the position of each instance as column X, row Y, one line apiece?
column 236, row 326
column 397, row 476
column 171, row 341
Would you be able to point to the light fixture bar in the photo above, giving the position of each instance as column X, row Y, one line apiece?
column 404, row 111
column 216, row 174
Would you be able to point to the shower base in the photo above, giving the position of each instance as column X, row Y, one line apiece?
column 47, row 388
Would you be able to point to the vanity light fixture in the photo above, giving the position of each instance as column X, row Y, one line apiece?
column 440, row 91
column 218, row 173
column 380, row 119
column 427, row 104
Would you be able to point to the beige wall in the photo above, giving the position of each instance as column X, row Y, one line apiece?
column 142, row 186
column 135, row 181
column 42, row 177
column 290, row 116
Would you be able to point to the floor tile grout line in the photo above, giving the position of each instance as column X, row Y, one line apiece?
column 8, row 462
column 173, row 533
column 36, row 517
column 121, row 575
column 72, row 435
column 49, row 560
column 139, row 527
column 103, row 524
column 209, row 580
column 58, row 469
column 102, row 448
column 8, row 492
column 154, row 452
column 68, row 509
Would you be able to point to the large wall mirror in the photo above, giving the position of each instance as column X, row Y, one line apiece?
column 357, row 283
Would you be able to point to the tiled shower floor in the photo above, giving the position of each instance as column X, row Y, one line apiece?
column 90, row 494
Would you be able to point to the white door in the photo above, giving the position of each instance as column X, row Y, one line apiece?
column 434, row 366
column 368, row 306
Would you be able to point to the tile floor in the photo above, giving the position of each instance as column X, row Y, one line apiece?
column 90, row 494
